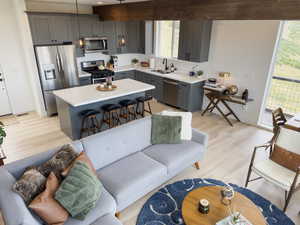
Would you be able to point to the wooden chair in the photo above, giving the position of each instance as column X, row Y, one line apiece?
column 278, row 119
column 282, row 168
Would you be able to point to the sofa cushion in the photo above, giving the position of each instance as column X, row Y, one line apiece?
column 109, row 219
column 131, row 174
column 47, row 207
column 186, row 123
column 83, row 158
column 30, row 185
column 111, row 145
column 17, row 168
column 59, row 161
column 176, row 156
column 105, row 205
column 80, row 191
column 166, row 129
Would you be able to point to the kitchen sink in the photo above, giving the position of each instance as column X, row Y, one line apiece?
column 161, row 71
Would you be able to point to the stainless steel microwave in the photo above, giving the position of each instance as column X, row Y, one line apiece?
column 95, row 44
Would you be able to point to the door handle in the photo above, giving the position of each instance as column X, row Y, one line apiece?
column 58, row 63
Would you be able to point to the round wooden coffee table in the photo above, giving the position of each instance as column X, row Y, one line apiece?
column 218, row 211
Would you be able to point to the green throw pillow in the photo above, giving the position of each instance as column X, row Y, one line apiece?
column 166, row 129
column 80, row 191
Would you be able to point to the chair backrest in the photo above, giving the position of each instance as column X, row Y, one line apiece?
column 288, row 139
column 286, row 149
column 278, row 119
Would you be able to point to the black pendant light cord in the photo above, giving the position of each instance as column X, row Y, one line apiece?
column 78, row 23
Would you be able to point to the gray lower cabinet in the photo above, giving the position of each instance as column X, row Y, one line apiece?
column 194, row 40
column 124, row 75
column 190, row 96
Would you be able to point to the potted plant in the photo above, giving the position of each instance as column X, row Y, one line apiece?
column 2, row 133
column 200, row 73
column 135, row 61
column 2, row 136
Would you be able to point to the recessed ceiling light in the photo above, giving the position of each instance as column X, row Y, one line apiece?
column 100, row 3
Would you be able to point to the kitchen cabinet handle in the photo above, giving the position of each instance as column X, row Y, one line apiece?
column 58, row 63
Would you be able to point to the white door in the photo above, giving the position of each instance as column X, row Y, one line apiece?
column 4, row 100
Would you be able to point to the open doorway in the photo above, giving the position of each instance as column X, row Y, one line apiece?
column 284, row 90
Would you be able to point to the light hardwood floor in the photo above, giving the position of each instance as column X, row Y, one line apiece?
column 227, row 157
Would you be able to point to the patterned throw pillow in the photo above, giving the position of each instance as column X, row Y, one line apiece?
column 83, row 158
column 46, row 207
column 80, row 191
column 30, row 185
column 59, row 162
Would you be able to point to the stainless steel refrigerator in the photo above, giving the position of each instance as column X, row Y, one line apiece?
column 57, row 70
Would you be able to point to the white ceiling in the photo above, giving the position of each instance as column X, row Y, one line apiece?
column 87, row 2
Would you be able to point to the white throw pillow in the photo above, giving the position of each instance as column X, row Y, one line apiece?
column 186, row 124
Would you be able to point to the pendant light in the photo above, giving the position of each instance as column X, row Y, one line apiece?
column 122, row 40
column 80, row 40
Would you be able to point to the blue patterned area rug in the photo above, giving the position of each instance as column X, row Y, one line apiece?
column 164, row 207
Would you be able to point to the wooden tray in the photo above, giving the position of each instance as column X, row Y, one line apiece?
column 106, row 88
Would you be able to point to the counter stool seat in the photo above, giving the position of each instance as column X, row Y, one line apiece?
column 141, row 103
column 110, row 107
column 111, row 115
column 88, row 112
column 89, row 122
column 128, row 110
column 127, row 102
column 144, row 98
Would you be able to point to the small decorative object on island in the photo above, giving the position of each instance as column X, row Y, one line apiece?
column 204, row 206
column 227, row 194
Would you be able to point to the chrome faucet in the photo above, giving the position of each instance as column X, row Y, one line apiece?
column 165, row 62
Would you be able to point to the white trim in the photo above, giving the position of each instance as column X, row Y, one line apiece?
column 271, row 72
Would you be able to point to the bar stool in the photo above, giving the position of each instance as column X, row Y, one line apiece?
column 89, row 122
column 128, row 109
column 111, row 115
column 142, row 101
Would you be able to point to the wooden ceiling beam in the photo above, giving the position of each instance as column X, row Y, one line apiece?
column 202, row 9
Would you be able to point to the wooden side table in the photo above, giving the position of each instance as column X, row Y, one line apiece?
column 216, row 97
column 218, row 211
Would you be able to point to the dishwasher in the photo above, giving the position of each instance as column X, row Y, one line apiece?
column 170, row 93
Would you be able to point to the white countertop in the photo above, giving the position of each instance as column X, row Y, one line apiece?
column 84, row 95
column 178, row 75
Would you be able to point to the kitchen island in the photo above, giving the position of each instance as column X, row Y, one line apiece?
column 70, row 102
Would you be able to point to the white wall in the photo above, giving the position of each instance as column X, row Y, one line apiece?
column 245, row 48
column 12, row 60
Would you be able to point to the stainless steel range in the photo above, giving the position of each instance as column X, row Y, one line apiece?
column 98, row 76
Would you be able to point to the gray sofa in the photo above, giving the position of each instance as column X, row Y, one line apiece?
column 127, row 164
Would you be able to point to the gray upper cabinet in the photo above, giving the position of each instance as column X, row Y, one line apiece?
column 194, row 40
column 57, row 28
column 47, row 29
column 135, row 36
column 109, row 31
column 40, row 29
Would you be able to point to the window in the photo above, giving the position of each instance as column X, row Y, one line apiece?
column 167, row 38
